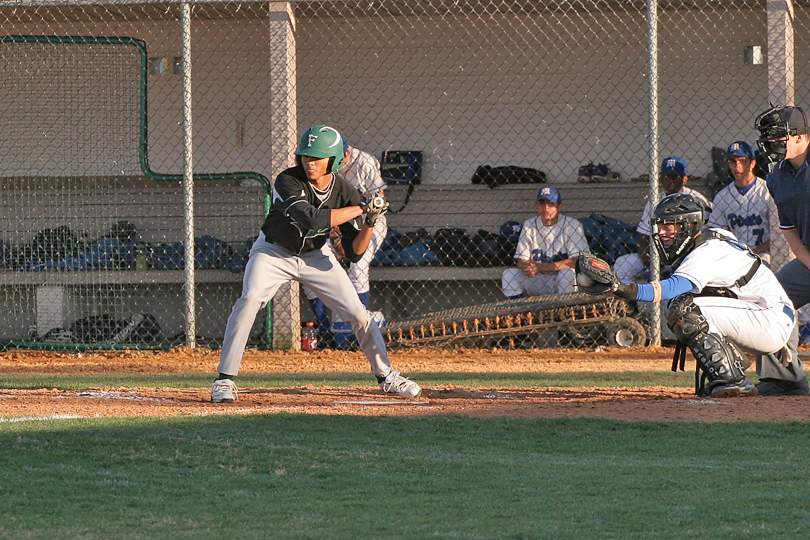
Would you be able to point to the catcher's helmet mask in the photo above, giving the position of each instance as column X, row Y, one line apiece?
column 679, row 209
column 775, row 127
column 321, row 142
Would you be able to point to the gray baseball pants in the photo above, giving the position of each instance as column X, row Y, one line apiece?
column 269, row 266
column 771, row 366
column 795, row 278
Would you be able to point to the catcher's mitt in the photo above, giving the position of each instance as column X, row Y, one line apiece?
column 595, row 276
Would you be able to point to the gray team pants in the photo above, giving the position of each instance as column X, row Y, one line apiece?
column 269, row 266
column 795, row 278
column 769, row 366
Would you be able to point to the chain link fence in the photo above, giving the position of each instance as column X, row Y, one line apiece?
column 501, row 130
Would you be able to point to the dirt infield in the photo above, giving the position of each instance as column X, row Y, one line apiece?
column 651, row 403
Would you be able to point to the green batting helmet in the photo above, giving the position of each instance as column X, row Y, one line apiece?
column 322, row 142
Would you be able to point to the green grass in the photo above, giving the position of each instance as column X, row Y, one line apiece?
column 281, row 380
column 315, row 477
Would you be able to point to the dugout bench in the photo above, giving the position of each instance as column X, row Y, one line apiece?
column 57, row 297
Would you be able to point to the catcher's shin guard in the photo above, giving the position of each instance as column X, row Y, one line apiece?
column 723, row 366
column 721, row 362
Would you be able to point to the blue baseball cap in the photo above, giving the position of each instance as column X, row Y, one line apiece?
column 674, row 165
column 511, row 230
column 740, row 149
column 345, row 146
column 549, row 194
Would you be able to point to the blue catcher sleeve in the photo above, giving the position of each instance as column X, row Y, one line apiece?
column 670, row 288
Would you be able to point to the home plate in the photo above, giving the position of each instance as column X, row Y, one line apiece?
column 382, row 403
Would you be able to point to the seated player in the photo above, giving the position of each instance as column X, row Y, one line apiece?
column 547, row 251
column 673, row 178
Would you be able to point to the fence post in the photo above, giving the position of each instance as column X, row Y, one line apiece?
column 286, row 308
column 781, row 71
column 652, row 80
column 188, row 183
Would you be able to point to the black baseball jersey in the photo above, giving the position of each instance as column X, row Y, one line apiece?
column 300, row 218
column 790, row 189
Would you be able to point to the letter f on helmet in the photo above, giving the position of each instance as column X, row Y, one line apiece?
column 321, row 142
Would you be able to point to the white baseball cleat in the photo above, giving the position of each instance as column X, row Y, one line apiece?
column 395, row 383
column 224, row 391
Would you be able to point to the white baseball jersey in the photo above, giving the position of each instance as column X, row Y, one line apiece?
column 646, row 214
column 761, row 319
column 717, row 263
column 363, row 172
column 539, row 243
column 744, row 215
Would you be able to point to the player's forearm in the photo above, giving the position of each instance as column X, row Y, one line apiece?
column 764, row 247
column 339, row 216
column 796, row 245
column 667, row 289
column 363, row 240
column 556, row 266
column 644, row 248
column 566, row 263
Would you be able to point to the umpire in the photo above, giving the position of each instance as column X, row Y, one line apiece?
column 784, row 140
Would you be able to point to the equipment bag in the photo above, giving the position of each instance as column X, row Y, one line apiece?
column 454, row 247
column 509, row 174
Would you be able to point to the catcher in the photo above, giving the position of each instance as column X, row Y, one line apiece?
column 722, row 301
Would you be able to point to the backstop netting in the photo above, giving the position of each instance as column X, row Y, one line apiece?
column 470, row 108
column 92, row 243
column 71, row 107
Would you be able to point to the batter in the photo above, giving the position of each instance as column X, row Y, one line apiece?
column 308, row 200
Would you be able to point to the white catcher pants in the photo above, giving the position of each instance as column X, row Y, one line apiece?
column 753, row 328
column 269, row 266
column 766, row 332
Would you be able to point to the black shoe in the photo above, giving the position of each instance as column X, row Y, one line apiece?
column 778, row 387
column 741, row 389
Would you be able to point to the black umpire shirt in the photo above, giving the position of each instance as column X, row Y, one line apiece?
column 790, row 189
